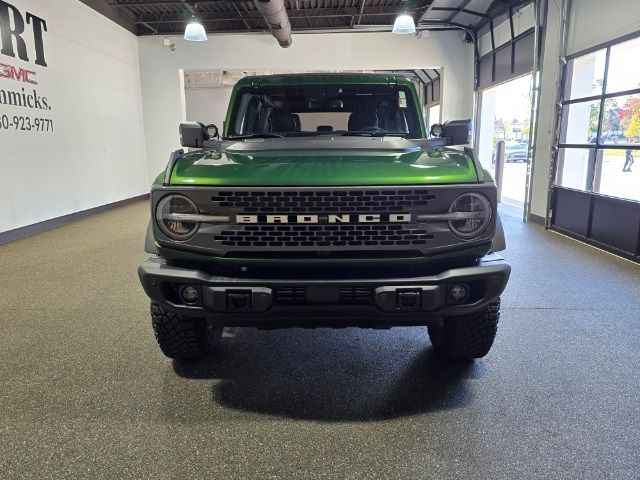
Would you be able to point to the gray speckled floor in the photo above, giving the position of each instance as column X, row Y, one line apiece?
column 85, row 392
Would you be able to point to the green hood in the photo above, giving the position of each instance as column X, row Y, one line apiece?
column 343, row 162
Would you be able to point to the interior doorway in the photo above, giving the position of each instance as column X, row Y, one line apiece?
column 505, row 112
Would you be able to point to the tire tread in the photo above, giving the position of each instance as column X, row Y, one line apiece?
column 467, row 336
column 179, row 337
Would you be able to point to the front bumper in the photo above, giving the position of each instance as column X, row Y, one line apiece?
column 337, row 302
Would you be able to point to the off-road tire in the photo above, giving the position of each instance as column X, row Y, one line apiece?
column 466, row 337
column 183, row 338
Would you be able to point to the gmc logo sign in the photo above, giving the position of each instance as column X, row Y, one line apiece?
column 13, row 28
column 338, row 218
column 19, row 74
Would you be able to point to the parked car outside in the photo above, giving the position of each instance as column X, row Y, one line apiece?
column 516, row 152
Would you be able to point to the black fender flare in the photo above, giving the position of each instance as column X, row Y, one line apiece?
column 499, row 243
column 150, row 241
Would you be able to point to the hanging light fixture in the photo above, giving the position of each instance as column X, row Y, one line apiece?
column 403, row 25
column 195, row 32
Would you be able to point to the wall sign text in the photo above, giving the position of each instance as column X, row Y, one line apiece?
column 13, row 29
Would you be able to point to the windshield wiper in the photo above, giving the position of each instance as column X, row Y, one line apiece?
column 370, row 134
column 256, row 135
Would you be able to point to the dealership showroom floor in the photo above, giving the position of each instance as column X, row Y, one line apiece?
column 272, row 239
column 86, row 392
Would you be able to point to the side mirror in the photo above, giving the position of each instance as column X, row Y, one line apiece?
column 192, row 134
column 196, row 134
column 454, row 132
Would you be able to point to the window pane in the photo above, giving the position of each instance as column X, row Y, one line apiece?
column 621, row 120
column 587, row 75
column 619, row 173
column 580, row 122
column 573, row 167
column 624, row 68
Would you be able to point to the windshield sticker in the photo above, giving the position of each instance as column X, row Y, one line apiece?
column 402, row 100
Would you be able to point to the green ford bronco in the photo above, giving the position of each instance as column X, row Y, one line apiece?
column 324, row 204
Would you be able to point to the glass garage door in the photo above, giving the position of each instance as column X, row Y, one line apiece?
column 596, row 196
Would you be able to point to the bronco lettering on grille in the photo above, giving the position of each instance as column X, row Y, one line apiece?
column 332, row 218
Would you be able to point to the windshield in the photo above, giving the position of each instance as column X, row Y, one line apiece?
column 352, row 109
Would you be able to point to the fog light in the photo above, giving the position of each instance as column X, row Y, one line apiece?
column 458, row 292
column 189, row 294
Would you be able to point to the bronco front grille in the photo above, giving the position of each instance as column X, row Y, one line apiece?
column 322, row 235
column 359, row 295
column 291, row 295
column 316, row 221
column 343, row 295
column 336, row 201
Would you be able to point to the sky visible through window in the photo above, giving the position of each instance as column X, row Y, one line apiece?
column 611, row 171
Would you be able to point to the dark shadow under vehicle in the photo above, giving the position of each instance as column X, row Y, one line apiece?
column 332, row 375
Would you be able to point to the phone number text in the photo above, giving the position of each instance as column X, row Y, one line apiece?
column 26, row 124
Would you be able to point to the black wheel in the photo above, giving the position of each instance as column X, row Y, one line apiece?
column 183, row 338
column 466, row 336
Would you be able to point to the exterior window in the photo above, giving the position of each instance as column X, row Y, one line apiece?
column 599, row 148
column 621, row 120
column 623, row 67
column 587, row 75
column 573, row 168
column 580, row 122
column 611, row 180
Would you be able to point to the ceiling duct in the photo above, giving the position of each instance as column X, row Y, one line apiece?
column 275, row 14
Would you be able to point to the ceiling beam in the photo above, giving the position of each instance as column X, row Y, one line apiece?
column 459, row 10
column 189, row 7
column 362, row 4
column 427, row 9
column 242, row 16
column 327, row 13
column 161, row 3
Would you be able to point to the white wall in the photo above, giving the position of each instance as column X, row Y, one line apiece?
column 591, row 23
column 546, row 115
column 485, row 134
column 162, row 91
column 207, row 105
column 96, row 154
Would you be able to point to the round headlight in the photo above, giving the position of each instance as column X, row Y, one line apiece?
column 474, row 212
column 169, row 212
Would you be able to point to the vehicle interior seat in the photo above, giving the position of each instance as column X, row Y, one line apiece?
column 285, row 122
column 394, row 121
column 363, row 118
